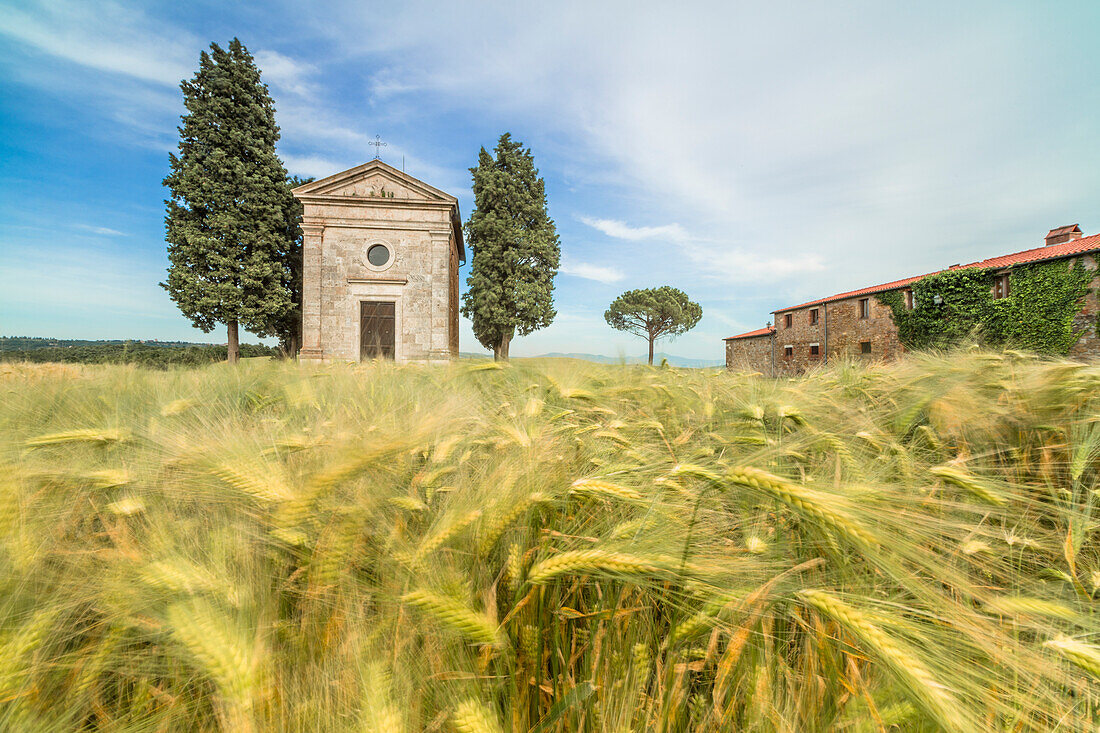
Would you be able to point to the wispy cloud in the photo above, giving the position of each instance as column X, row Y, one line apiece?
column 103, row 36
column 621, row 230
column 588, row 271
column 734, row 264
column 102, row 231
column 285, row 73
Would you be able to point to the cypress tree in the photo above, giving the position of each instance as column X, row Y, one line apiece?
column 229, row 242
column 289, row 326
column 515, row 249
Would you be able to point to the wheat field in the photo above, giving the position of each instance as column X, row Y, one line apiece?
column 551, row 546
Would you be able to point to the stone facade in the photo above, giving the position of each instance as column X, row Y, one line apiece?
column 348, row 214
column 752, row 353
column 856, row 325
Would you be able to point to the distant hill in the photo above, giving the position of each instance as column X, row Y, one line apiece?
column 146, row 353
column 31, row 343
column 673, row 360
column 23, row 348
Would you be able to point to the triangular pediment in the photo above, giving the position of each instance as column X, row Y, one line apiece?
column 373, row 180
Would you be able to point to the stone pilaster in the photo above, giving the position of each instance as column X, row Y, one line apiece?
column 312, row 244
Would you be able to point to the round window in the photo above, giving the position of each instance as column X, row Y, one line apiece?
column 378, row 255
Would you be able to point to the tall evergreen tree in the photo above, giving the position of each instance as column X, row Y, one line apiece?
column 289, row 327
column 515, row 249
column 227, row 216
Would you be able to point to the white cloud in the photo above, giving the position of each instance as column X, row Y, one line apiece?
column 102, row 36
column 284, row 73
column 731, row 264
column 588, row 271
column 622, row 230
column 102, row 231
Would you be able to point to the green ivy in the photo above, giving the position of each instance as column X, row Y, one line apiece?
column 957, row 305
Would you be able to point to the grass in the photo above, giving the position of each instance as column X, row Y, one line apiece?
column 550, row 546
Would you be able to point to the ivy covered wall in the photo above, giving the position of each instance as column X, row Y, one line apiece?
column 956, row 305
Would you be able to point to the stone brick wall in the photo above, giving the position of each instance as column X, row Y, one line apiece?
column 750, row 355
column 847, row 331
column 798, row 336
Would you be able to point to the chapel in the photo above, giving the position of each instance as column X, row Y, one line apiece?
column 381, row 252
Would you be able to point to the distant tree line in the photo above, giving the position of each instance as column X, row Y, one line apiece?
column 147, row 354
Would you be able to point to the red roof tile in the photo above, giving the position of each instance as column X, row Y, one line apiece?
column 1039, row 254
column 766, row 331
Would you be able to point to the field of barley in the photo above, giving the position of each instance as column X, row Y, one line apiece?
column 551, row 546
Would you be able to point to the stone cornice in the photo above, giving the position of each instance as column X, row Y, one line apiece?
column 378, row 280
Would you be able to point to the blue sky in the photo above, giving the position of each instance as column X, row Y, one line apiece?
column 752, row 154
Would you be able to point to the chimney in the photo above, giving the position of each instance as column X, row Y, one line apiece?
column 1063, row 234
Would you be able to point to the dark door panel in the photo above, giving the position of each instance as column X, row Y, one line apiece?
column 377, row 324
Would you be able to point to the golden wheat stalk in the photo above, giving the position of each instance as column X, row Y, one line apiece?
column 408, row 503
column 497, row 524
column 471, row 716
column 1023, row 605
column 380, row 713
column 1085, row 656
column 91, row 436
column 476, row 627
column 974, row 485
column 432, row 543
column 254, row 478
column 931, row 694
column 598, row 489
column 812, row 504
column 220, row 653
column 583, row 562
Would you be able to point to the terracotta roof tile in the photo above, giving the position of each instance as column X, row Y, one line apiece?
column 767, row 330
column 1039, row 254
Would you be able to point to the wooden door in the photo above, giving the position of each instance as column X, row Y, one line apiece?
column 377, row 323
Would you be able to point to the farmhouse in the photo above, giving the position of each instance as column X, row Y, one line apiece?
column 381, row 252
column 857, row 324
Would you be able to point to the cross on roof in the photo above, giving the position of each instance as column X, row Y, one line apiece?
column 378, row 145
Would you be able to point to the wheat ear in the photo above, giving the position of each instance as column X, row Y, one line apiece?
column 587, row 561
column 598, row 489
column 476, row 627
column 931, row 694
column 967, row 482
column 1085, row 656
column 472, row 716
column 808, row 502
column 1012, row 605
column 90, row 436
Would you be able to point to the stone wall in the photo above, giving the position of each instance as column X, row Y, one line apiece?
column 847, row 331
column 798, row 337
column 752, row 354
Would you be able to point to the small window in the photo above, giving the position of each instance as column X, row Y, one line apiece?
column 865, row 347
column 908, row 300
column 378, row 255
column 813, row 316
column 1000, row 287
column 864, row 307
column 788, row 351
column 787, row 320
column 815, row 350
